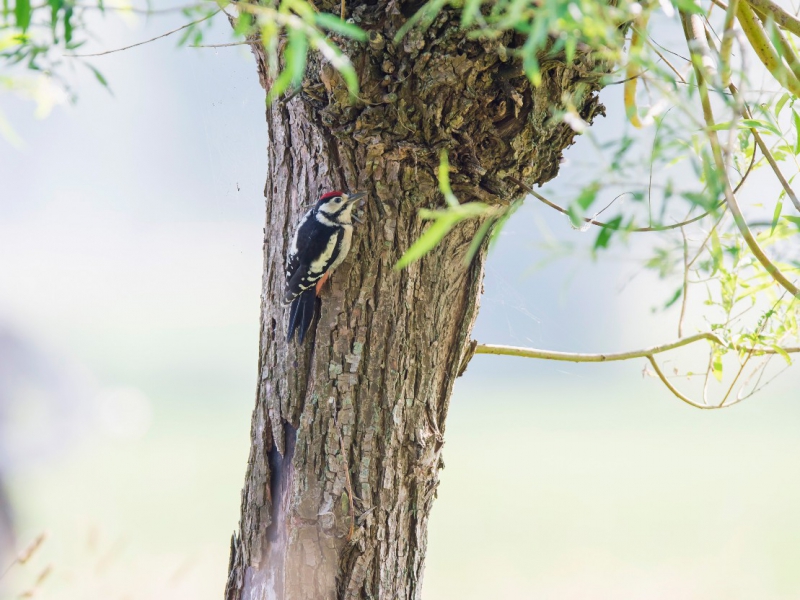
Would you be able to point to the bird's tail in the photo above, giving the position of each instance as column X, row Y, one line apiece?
column 301, row 314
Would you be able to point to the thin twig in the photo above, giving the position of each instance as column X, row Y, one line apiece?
column 130, row 9
column 163, row 35
column 669, row 64
column 652, row 161
column 25, row 555
column 677, row 393
column 750, row 353
column 705, row 241
column 244, row 43
column 564, row 211
column 771, row 159
column 665, row 49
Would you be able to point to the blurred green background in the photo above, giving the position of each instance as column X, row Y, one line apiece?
column 130, row 269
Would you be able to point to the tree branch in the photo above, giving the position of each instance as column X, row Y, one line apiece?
column 648, row 353
column 727, row 41
column 764, row 50
column 577, row 357
column 564, row 211
column 163, row 35
column 716, row 149
column 244, row 43
column 782, row 18
column 676, row 392
column 773, row 164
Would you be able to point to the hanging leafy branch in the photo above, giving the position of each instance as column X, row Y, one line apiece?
column 38, row 39
column 748, row 272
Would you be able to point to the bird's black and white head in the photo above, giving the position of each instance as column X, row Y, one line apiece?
column 336, row 208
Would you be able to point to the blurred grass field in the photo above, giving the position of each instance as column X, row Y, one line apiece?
column 595, row 495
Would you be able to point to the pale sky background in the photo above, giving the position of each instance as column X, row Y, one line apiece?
column 130, row 269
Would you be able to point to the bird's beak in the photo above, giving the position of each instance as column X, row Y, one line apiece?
column 351, row 198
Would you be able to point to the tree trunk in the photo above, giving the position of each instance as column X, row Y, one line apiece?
column 347, row 431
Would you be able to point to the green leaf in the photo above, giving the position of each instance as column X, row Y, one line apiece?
column 757, row 124
column 480, row 235
column 530, row 63
column 793, row 220
column 796, row 119
column 716, row 365
column 68, row 24
column 424, row 16
column 98, row 75
column 55, row 6
column 588, row 195
column 775, row 216
column 779, row 106
column 339, row 61
column 501, row 222
column 243, row 24
column 348, row 73
column 22, row 14
column 575, row 216
column 335, row 24
column 292, row 75
column 699, row 199
column 783, row 353
column 469, row 12
column 674, row 298
column 724, row 126
column 688, row 6
column 280, row 85
column 605, row 233
column 444, row 179
column 716, row 250
column 570, row 47
column 296, row 55
column 578, row 207
column 427, row 241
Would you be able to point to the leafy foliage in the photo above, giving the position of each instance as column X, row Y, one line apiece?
column 445, row 219
column 678, row 177
column 43, row 39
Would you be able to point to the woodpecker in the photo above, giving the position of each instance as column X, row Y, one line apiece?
column 320, row 244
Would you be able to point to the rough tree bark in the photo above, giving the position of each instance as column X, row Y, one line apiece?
column 347, row 431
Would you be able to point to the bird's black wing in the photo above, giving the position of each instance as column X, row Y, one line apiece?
column 309, row 244
column 301, row 314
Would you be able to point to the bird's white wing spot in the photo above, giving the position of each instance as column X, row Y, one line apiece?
column 324, row 260
column 293, row 249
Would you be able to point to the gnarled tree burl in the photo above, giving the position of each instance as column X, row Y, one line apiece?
column 347, row 431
